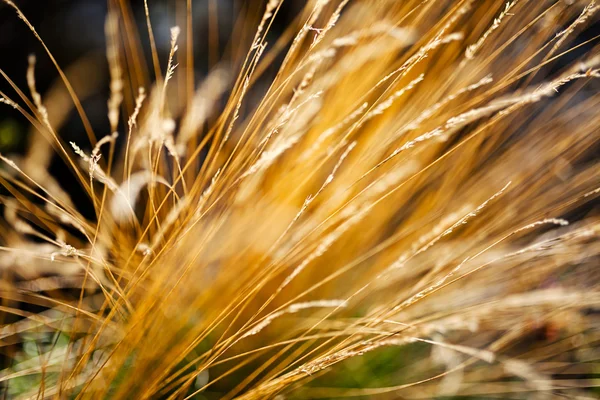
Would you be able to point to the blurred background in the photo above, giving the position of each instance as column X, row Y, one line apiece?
column 73, row 31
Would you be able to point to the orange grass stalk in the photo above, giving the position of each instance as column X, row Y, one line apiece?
column 418, row 178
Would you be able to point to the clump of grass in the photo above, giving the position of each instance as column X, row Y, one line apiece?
column 404, row 210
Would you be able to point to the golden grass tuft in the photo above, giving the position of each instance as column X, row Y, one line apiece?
column 405, row 209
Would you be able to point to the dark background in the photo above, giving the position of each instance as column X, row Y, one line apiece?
column 74, row 29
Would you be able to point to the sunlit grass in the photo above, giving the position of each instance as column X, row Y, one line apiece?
column 405, row 209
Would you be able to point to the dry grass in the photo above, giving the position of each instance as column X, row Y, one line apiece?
column 417, row 179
